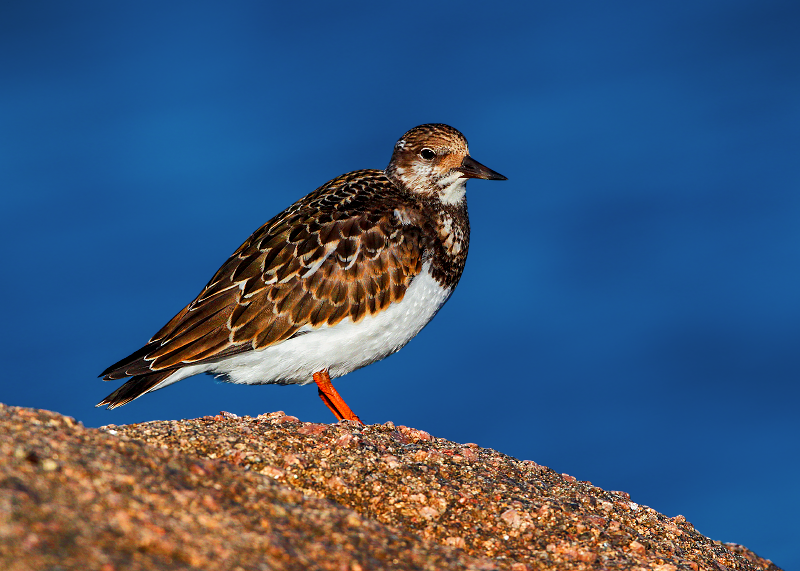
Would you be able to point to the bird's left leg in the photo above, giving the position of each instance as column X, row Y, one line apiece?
column 330, row 396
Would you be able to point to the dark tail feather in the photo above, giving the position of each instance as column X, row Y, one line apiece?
column 134, row 388
column 133, row 364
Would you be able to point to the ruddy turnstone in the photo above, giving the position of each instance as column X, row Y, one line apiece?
column 342, row 278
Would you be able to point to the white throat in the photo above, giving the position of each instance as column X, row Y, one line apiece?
column 452, row 189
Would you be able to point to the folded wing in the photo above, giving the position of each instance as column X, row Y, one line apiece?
column 342, row 252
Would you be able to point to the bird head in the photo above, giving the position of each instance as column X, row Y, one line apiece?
column 433, row 160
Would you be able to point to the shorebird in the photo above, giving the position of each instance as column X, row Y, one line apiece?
column 342, row 278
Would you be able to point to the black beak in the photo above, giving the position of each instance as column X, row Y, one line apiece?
column 470, row 168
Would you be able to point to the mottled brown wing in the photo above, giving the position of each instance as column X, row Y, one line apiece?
column 347, row 250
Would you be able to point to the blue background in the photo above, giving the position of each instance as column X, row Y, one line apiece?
column 630, row 311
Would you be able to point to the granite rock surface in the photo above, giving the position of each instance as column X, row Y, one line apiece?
column 275, row 493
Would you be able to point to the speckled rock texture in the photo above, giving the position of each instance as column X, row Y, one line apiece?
column 273, row 493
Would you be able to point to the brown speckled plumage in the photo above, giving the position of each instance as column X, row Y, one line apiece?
column 347, row 250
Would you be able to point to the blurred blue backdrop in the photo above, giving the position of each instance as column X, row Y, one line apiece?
column 630, row 312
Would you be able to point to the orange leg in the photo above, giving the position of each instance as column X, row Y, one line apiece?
column 330, row 396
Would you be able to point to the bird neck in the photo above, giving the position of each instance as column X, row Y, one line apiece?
column 451, row 227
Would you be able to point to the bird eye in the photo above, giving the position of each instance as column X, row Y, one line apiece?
column 427, row 154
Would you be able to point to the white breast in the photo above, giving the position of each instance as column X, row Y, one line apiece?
column 345, row 347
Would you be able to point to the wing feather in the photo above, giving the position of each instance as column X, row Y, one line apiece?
column 342, row 252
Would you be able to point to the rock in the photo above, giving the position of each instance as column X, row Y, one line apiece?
column 227, row 492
